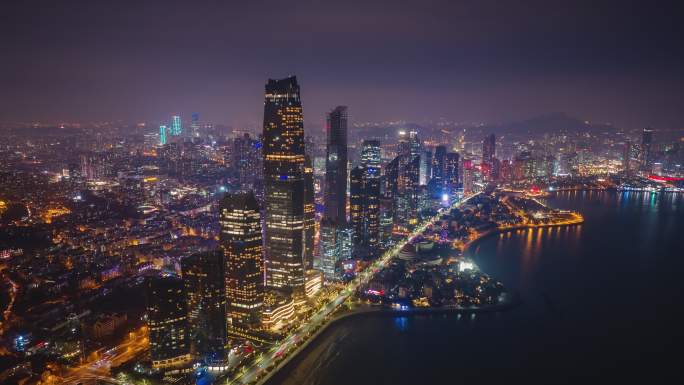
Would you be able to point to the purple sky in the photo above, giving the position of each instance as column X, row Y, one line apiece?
column 615, row 61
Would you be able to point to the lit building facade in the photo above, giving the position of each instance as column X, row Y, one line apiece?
column 176, row 128
column 371, row 157
column 646, row 149
column 204, row 281
column 309, row 214
column 314, row 282
column 279, row 311
column 356, row 204
column 451, row 171
column 195, row 125
column 488, row 149
column 241, row 242
column 284, row 158
column 162, row 135
column 247, row 160
column 167, row 320
column 328, row 248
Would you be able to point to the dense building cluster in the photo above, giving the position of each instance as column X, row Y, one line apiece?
column 241, row 235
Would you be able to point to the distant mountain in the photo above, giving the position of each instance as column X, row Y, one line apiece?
column 554, row 122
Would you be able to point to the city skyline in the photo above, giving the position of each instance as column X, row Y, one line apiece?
column 310, row 240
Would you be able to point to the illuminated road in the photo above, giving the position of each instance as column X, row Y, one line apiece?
column 7, row 313
column 97, row 368
column 265, row 361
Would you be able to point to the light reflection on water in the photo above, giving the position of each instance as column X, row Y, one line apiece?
column 579, row 286
column 401, row 323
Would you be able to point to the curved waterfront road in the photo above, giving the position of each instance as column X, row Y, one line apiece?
column 269, row 362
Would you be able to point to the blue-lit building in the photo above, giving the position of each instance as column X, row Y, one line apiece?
column 162, row 135
column 176, row 126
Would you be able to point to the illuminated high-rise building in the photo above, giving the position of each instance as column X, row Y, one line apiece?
column 371, row 157
column 176, row 126
column 488, row 152
column 415, row 145
column 194, row 125
column 345, row 245
column 284, row 156
column 371, row 214
column 488, row 149
column 364, row 202
column 646, row 148
column 626, row 156
column 204, row 280
column 167, row 320
column 162, row 135
column 425, row 167
column 336, row 166
column 386, row 222
column 372, row 187
column 403, row 145
column 241, row 242
column 356, row 203
column 309, row 214
column 451, row 171
column 246, row 158
column 328, row 248
column 439, row 164
column 390, row 178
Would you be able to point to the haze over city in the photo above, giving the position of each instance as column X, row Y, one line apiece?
column 470, row 61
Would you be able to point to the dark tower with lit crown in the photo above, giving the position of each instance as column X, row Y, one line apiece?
column 336, row 166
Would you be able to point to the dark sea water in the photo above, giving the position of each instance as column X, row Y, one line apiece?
column 601, row 303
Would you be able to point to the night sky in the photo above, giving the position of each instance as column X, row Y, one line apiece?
column 611, row 61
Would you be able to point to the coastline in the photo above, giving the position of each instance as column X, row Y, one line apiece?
column 382, row 311
column 501, row 230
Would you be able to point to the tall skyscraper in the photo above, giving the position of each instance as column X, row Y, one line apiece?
column 309, row 214
column 162, row 135
column 176, row 126
column 646, row 148
column 336, row 166
column 438, row 164
column 329, row 250
column 356, row 204
column 364, row 202
column 488, row 149
column 415, row 144
column 241, row 242
column 370, row 162
column 247, row 159
column 488, row 152
column 194, row 125
column 451, row 171
column 425, row 167
column 204, row 281
column 390, row 178
column 284, row 185
column 371, row 213
column 626, row 152
column 345, row 245
column 167, row 319
column 371, row 157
